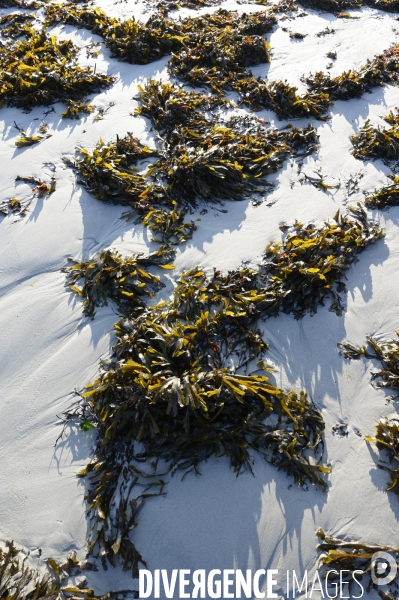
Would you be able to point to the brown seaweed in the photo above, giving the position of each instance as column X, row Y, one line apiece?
column 386, row 353
column 41, row 70
column 108, row 276
column 381, row 70
column 168, row 388
column 19, row 581
column 310, row 266
column 181, row 381
column 340, row 555
column 387, row 440
column 386, row 196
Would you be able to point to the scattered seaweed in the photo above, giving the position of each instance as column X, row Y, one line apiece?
column 74, row 109
column 109, row 276
column 318, row 181
column 326, row 31
column 30, row 140
column 352, row 555
column 41, row 70
column 387, row 440
column 338, row 6
column 23, row 582
column 20, row 207
column 297, row 35
column 387, row 354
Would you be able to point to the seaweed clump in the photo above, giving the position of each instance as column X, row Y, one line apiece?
column 374, row 142
column 108, row 276
column 20, row 581
column 180, row 386
column 177, row 390
column 381, row 70
column 199, row 157
column 386, row 196
column 42, row 70
column 311, row 264
column 16, row 25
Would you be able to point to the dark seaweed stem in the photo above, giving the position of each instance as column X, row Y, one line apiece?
column 180, row 386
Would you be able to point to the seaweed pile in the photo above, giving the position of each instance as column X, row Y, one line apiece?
column 171, row 393
column 140, row 43
column 41, row 70
column 185, row 379
column 374, row 142
column 200, row 157
column 379, row 71
column 108, row 276
column 19, row 581
column 352, row 555
column 310, row 266
column 16, row 25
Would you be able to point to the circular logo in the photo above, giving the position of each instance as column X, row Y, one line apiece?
column 383, row 568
